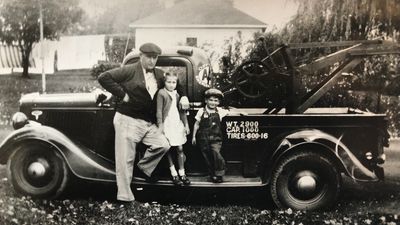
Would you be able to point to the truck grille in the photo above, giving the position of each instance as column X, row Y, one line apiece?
column 77, row 125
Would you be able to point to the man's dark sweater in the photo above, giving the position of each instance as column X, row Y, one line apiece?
column 130, row 80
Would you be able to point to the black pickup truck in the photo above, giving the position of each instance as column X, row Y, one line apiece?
column 298, row 158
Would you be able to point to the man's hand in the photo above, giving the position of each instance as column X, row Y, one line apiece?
column 194, row 141
column 187, row 129
column 161, row 128
column 184, row 103
column 126, row 98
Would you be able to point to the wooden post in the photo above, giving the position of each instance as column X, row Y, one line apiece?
column 41, row 49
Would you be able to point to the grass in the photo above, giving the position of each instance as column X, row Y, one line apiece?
column 4, row 131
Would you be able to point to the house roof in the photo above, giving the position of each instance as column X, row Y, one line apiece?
column 199, row 13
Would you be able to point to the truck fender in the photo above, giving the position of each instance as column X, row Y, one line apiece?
column 83, row 162
column 316, row 140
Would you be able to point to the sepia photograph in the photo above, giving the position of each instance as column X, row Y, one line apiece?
column 200, row 112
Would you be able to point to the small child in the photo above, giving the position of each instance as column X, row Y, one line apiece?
column 207, row 133
column 174, row 125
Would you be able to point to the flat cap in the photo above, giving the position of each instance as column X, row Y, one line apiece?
column 150, row 48
column 213, row 92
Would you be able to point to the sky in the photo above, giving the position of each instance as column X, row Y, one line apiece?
column 272, row 12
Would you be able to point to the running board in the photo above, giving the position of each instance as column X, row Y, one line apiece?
column 204, row 181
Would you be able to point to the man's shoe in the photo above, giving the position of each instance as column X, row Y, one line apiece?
column 152, row 179
column 176, row 181
column 185, row 180
column 141, row 174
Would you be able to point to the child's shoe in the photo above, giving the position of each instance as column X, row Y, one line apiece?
column 177, row 181
column 216, row 179
column 185, row 180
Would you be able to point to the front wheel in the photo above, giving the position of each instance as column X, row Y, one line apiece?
column 37, row 170
column 305, row 181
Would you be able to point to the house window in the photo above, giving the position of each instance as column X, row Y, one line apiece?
column 191, row 41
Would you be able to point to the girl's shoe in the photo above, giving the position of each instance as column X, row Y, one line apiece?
column 185, row 180
column 217, row 179
column 177, row 181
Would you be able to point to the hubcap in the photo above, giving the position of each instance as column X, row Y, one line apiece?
column 306, row 184
column 36, row 170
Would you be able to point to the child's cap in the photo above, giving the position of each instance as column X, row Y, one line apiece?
column 212, row 92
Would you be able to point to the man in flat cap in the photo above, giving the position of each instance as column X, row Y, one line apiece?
column 135, row 85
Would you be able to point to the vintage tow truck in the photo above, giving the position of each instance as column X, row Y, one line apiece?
column 296, row 153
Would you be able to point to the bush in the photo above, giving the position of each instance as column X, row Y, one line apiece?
column 391, row 106
column 101, row 67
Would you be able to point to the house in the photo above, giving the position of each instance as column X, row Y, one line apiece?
column 207, row 24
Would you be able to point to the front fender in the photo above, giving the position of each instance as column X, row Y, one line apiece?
column 313, row 139
column 83, row 162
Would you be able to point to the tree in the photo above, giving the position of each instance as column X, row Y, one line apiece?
column 335, row 20
column 233, row 53
column 340, row 20
column 20, row 23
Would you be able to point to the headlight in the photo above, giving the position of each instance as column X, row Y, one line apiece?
column 368, row 155
column 19, row 120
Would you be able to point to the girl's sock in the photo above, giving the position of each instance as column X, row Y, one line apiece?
column 173, row 171
column 181, row 172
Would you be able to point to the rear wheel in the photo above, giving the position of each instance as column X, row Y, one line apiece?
column 37, row 170
column 305, row 181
